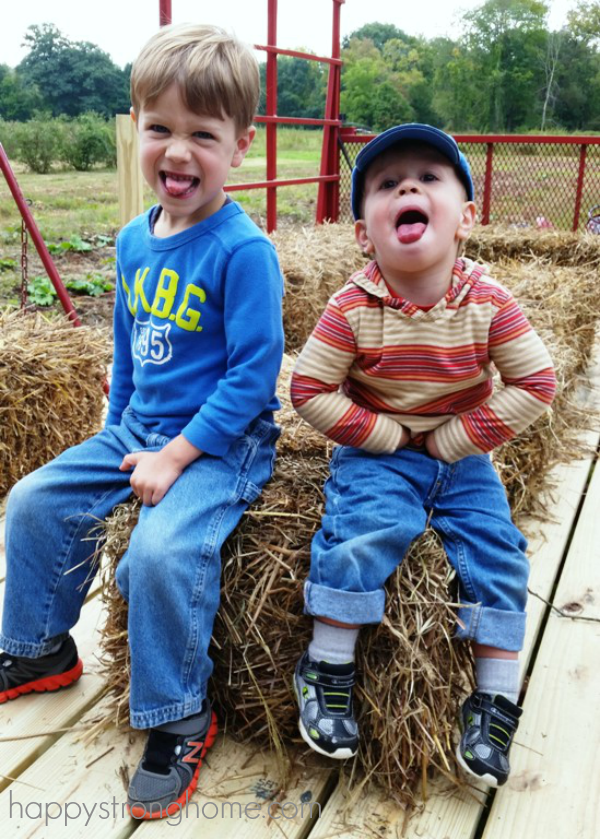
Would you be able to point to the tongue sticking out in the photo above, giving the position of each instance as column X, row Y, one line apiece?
column 408, row 233
column 178, row 186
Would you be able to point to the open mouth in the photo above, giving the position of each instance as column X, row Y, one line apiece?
column 179, row 186
column 410, row 226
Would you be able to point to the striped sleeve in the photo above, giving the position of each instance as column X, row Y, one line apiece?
column 527, row 373
column 322, row 367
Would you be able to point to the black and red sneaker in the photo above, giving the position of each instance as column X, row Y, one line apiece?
column 19, row 675
column 168, row 772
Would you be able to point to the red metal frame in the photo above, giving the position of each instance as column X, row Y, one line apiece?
column 164, row 13
column 40, row 246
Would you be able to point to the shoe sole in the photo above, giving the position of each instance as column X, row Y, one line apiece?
column 339, row 754
column 490, row 780
column 47, row 684
column 175, row 806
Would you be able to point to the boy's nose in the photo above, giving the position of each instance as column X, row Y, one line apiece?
column 409, row 186
column 177, row 150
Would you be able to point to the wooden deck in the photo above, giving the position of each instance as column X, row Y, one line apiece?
column 52, row 784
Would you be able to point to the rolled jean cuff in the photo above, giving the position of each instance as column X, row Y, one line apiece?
column 493, row 627
column 29, row 649
column 356, row 607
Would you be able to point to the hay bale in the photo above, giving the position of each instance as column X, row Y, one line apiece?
column 560, row 247
column 315, row 261
column 412, row 676
column 50, row 390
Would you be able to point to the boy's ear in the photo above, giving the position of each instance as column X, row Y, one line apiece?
column 362, row 237
column 132, row 115
column 467, row 220
column 242, row 144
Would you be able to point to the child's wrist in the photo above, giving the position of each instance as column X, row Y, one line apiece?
column 180, row 452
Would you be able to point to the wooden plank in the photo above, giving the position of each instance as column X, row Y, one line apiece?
column 457, row 815
column 130, row 181
column 236, row 781
column 553, row 788
column 237, row 798
column 44, row 715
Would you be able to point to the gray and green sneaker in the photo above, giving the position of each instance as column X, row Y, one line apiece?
column 324, row 694
column 487, row 724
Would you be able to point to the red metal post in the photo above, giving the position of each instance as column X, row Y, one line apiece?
column 329, row 191
column 164, row 15
column 487, row 185
column 39, row 243
column 271, row 112
column 579, row 193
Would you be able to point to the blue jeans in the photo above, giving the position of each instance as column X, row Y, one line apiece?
column 170, row 574
column 376, row 505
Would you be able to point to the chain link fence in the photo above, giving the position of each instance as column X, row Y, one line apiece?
column 526, row 182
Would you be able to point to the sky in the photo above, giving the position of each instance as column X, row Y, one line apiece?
column 121, row 27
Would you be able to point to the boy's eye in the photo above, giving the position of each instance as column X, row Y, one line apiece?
column 204, row 135
column 158, row 129
column 388, row 183
column 429, row 176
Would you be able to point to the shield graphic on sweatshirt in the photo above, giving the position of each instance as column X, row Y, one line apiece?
column 150, row 342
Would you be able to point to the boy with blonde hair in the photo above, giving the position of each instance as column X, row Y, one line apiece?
column 398, row 372
column 198, row 342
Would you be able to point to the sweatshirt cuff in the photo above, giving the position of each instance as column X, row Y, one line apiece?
column 453, row 441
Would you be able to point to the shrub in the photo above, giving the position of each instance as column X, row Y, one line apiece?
column 8, row 138
column 38, row 143
column 87, row 140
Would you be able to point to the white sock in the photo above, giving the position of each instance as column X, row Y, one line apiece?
column 498, row 675
column 334, row 644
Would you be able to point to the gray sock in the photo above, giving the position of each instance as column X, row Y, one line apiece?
column 188, row 725
column 334, row 644
column 498, row 675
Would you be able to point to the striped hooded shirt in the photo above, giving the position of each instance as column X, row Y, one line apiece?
column 376, row 364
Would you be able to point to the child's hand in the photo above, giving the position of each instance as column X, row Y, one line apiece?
column 154, row 473
column 431, row 446
column 151, row 477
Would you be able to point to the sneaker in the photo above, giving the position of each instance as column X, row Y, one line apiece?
column 487, row 724
column 324, row 694
column 19, row 674
column 168, row 771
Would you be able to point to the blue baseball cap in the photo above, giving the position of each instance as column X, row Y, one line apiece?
column 414, row 131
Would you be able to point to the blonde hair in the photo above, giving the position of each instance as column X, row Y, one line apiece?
column 217, row 74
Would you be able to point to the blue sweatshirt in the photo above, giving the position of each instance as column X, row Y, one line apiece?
column 198, row 335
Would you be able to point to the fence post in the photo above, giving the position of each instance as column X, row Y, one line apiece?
column 271, row 139
column 164, row 13
column 131, row 186
column 487, row 185
column 579, row 193
column 328, row 199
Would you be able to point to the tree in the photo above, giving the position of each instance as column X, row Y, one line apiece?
column 378, row 34
column 72, row 78
column 507, row 39
column 584, row 21
column 17, row 100
column 301, row 87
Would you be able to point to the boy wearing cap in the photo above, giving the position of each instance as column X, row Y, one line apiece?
column 398, row 372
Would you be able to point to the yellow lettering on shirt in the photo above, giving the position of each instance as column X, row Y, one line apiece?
column 138, row 289
column 165, row 293
column 187, row 318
